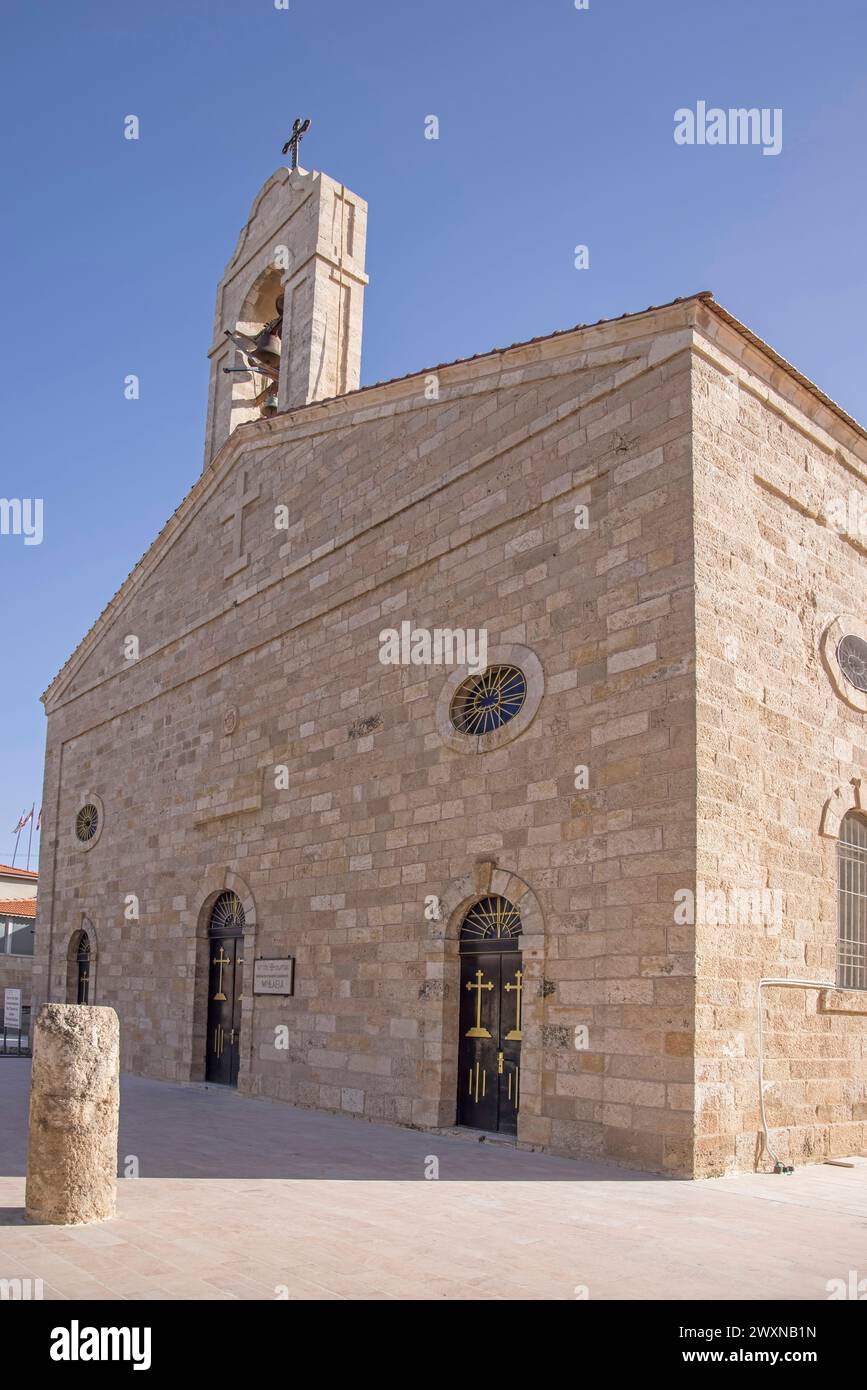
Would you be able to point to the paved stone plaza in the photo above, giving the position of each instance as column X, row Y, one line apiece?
column 242, row 1198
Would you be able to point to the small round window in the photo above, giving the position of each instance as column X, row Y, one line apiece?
column 487, row 701
column 86, row 823
column 852, row 660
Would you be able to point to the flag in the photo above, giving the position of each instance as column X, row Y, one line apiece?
column 21, row 824
column 39, row 819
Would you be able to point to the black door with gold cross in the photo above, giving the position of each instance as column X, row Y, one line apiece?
column 82, row 994
column 225, row 976
column 492, row 989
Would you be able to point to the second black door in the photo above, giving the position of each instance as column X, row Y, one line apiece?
column 489, row 1054
column 224, row 1010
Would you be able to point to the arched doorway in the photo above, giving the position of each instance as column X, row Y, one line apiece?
column 82, row 958
column 491, row 1008
column 82, row 954
column 225, row 972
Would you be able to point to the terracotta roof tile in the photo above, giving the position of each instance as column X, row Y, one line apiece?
column 17, row 907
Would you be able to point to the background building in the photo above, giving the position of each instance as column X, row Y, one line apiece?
column 17, row 921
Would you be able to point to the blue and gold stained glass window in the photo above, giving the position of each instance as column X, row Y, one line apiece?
column 487, row 701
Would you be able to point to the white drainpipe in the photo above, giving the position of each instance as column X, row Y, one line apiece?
column 789, row 983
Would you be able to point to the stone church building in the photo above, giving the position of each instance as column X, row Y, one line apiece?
column 478, row 747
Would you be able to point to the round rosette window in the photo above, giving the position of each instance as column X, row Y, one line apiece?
column 844, row 654
column 478, row 711
column 88, row 823
column 852, row 660
column 487, row 701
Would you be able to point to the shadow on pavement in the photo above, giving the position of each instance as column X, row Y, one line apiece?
column 174, row 1131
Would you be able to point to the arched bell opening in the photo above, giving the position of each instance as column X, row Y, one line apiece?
column 257, row 338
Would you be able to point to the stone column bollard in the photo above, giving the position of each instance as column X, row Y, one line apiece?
column 74, row 1104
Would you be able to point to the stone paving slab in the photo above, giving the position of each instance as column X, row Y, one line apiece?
column 245, row 1199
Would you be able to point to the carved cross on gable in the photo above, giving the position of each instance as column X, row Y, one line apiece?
column 235, row 514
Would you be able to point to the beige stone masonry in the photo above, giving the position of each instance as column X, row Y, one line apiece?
column 673, row 651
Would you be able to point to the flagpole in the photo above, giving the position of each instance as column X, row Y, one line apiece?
column 30, row 837
column 15, row 851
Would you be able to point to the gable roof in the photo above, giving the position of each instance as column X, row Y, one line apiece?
column 7, row 869
column 704, row 297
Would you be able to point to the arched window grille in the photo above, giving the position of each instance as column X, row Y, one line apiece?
column 493, row 923
column 852, row 903
column 227, row 916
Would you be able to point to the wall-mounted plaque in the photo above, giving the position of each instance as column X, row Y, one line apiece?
column 274, row 976
column 12, row 1008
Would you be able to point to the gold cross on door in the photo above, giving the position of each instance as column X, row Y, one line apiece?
column 221, row 960
column 514, row 1035
column 478, row 1031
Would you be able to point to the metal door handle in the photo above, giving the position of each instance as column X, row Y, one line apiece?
column 500, row 1063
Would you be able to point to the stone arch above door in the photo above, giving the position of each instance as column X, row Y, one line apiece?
column 486, row 879
column 846, row 798
column 223, row 880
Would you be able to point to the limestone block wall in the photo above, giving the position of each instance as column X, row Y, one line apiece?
column 259, row 651
column 775, row 741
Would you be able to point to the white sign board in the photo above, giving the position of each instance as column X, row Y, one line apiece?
column 274, row 976
column 12, row 1008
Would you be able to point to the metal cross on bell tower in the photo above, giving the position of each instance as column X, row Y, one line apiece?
column 299, row 130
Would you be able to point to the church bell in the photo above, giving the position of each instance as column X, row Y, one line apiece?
column 265, row 356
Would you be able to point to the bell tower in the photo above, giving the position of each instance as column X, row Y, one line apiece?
column 287, row 327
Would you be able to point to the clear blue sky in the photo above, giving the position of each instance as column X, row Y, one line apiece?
column 556, row 128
